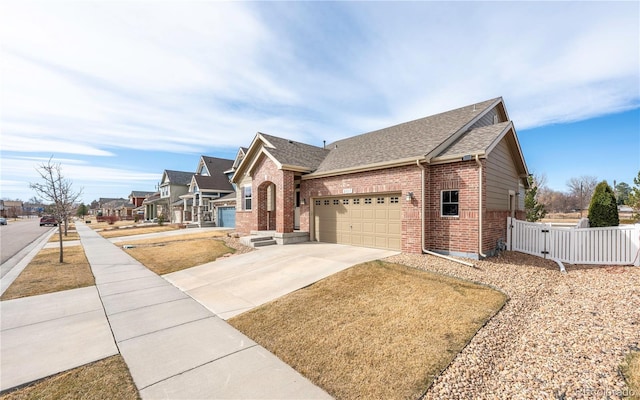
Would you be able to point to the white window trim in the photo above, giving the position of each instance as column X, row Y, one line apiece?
column 245, row 198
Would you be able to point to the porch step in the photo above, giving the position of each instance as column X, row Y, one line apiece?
column 257, row 241
column 262, row 243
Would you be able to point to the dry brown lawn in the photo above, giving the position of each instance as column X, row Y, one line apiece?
column 105, row 379
column 70, row 236
column 376, row 330
column 111, row 232
column 170, row 254
column 631, row 372
column 45, row 274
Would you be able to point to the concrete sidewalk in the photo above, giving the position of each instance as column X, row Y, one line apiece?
column 47, row 334
column 175, row 347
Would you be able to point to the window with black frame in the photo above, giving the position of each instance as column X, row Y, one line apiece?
column 450, row 202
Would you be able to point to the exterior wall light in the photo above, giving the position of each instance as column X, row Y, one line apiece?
column 409, row 196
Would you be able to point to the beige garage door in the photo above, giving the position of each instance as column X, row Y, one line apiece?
column 370, row 221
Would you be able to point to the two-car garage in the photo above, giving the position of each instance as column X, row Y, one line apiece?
column 371, row 220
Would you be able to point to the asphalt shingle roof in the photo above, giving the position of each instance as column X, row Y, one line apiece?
column 139, row 193
column 179, row 177
column 215, row 164
column 217, row 180
column 407, row 140
column 476, row 141
column 288, row 152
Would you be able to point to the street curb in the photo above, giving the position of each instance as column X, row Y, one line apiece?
column 33, row 248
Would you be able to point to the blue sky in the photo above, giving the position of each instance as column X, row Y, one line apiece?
column 117, row 92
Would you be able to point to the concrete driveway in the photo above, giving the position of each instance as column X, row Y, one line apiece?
column 233, row 285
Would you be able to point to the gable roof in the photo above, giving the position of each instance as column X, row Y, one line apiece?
column 407, row 141
column 471, row 130
column 215, row 165
column 294, row 154
column 481, row 141
column 177, row 177
column 139, row 193
column 477, row 141
column 216, row 179
column 218, row 182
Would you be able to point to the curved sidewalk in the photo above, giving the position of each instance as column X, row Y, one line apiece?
column 175, row 347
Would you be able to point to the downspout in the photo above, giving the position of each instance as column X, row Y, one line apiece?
column 480, row 253
column 422, row 218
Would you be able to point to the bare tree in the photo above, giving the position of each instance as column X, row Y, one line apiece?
column 581, row 189
column 56, row 190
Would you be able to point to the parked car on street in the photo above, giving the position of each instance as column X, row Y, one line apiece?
column 48, row 220
column 3, row 221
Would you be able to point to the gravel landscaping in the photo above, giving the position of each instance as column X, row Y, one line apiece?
column 559, row 336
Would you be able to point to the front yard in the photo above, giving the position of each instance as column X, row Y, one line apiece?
column 175, row 253
column 376, row 330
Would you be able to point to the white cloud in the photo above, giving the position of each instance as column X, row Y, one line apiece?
column 95, row 78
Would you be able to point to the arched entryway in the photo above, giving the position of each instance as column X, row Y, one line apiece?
column 267, row 219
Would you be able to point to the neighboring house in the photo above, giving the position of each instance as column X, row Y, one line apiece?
column 210, row 182
column 121, row 208
column 625, row 212
column 443, row 183
column 11, row 209
column 173, row 185
column 150, row 207
column 137, row 197
column 105, row 205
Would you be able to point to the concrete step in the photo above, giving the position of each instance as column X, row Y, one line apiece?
column 257, row 240
column 262, row 243
column 254, row 239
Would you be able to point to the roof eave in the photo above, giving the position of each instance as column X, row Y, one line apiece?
column 296, row 168
column 364, row 168
column 458, row 157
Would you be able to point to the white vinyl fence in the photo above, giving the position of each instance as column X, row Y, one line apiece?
column 619, row 245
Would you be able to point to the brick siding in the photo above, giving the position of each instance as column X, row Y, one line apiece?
column 392, row 180
column 452, row 234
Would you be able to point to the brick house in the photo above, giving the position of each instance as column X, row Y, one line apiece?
column 445, row 183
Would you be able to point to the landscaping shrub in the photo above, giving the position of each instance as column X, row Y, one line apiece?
column 111, row 219
column 603, row 210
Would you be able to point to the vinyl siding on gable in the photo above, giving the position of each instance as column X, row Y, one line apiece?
column 501, row 176
column 493, row 116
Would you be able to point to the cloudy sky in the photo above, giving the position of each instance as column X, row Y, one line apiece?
column 118, row 91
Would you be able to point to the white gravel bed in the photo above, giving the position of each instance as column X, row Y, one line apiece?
column 560, row 336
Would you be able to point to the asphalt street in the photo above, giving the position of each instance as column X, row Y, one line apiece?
column 15, row 238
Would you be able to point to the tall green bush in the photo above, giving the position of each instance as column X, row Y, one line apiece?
column 535, row 211
column 603, row 210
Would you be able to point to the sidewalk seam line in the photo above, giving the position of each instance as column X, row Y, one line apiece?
column 53, row 319
column 201, row 365
column 167, row 328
